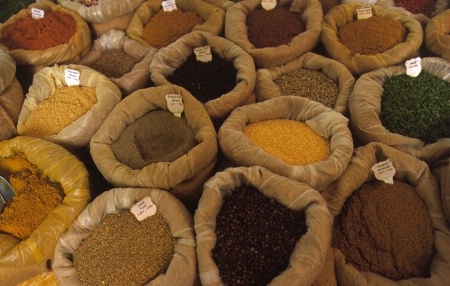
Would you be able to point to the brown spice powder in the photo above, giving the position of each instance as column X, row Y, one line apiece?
column 115, row 63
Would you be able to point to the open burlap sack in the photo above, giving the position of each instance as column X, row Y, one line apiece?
column 240, row 150
column 21, row 258
column 437, row 35
column 412, row 171
column 310, row 253
column 73, row 50
column 265, row 88
column 168, row 59
column 184, row 177
column 441, row 171
column 359, row 64
column 312, row 19
column 212, row 15
column 365, row 106
column 182, row 268
column 138, row 77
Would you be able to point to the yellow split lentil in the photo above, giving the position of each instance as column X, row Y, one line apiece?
column 292, row 141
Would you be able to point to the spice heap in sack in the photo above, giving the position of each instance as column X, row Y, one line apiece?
column 389, row 225
column 363, row 43
column 411, row 113
column 128, row 237
column 437, row 35
column 214, row 70
column 294, row 29
column 322, row 132
column 311, row 76
column 255, row 227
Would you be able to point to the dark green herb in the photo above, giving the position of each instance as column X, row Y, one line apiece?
column 9, row 8
column 417, row 107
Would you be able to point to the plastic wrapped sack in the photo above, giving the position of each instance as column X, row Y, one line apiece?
column 437, row 35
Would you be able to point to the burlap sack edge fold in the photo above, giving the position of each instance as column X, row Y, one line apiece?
column 437, row 38
column 7, row 71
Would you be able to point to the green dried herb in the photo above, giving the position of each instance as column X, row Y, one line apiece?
column 417, row 107
column 9, row 8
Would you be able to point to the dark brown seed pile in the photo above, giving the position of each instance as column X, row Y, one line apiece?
column 255, row 237
column 115, row 63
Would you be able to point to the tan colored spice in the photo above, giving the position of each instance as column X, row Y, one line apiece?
column 58, row 111
column 292, row 141
column 115, row 63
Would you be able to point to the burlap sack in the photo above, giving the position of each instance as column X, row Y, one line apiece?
column 170, row 58
column 308, row 258
column 138, row 77
column 240, row 150
column 359, row 64
column 410, row 170
column 182, row 268
column 212, row 16
column 365, row 106
column 184, row 177
column 441, row 171
column 224, row 4
column 59, row 166
column 265, row 88
column 437, row 38
column 312, row 19
column 74, row 49
column 327, row 276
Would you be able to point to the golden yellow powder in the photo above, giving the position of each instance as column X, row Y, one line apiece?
column 292, row 141
column 59, row 110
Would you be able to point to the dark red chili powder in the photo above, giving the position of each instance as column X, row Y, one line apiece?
column 426, row 7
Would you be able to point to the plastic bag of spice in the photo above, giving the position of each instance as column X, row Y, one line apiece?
column 437, row 35
column 129, row 69
column 72, row 120
column 303, row 264
column 182, row 267
column 19, row 257
column 329, row 124
column 365, row 105
column 266, row 88
column 184, row 176
column 422, row 188
column 359, row 63
column 236, row 30
column 169, row 59
column 441, row 171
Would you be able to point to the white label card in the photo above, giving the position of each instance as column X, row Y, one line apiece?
column 175, row 104
column 268, row 4
column 203, row 54
column 364, row 12
column 384, row 171
column 413, row 67
column 169, row 5
column 72, row 77
column 143, row 209
column 37, row 13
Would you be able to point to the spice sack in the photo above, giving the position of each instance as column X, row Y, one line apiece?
column 329, row 124
column 441, row 171
column 182, row 267
column 60, row 167
column 366, row 107
column 266, row 86
column 389, row 226
column 63, row 113
column 437, row 35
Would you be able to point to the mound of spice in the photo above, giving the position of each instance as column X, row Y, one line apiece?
column 60, row 109
column 417, row 107
column 10, row 8
column 205, row 80
column 36, row 196
column 158, row 136
column 426, row 7
column 121, row 250
column 39, row 34
column 256, row 236
column 312, row 84
column 292, row 141
column 87, row 3
column 371, row 36
column 385, row 229
column 166, row 27
column 115, row 63
column 272, row 28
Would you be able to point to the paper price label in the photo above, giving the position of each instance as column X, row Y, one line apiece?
column 384, row 171
column 268, row 4
column 175, row 104
column 169, row 5
column 364, row 12
column 72, row 77
column 203, row 54
column 413, row 67
column 37, row 13
column 143, row 209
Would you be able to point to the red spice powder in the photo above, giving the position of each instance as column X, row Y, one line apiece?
column 426, row 7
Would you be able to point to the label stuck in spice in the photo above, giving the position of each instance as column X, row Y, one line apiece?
column 72, row 77
column 143, row 209
column 169, row 5
column 37, row 13
column 203, row 54
column 384, row 171
column 364, row 12
column 413, row 67
column 175, row 104
column 268, row 4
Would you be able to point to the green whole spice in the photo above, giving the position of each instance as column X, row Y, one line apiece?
column 417, row 107
column 11, row 7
